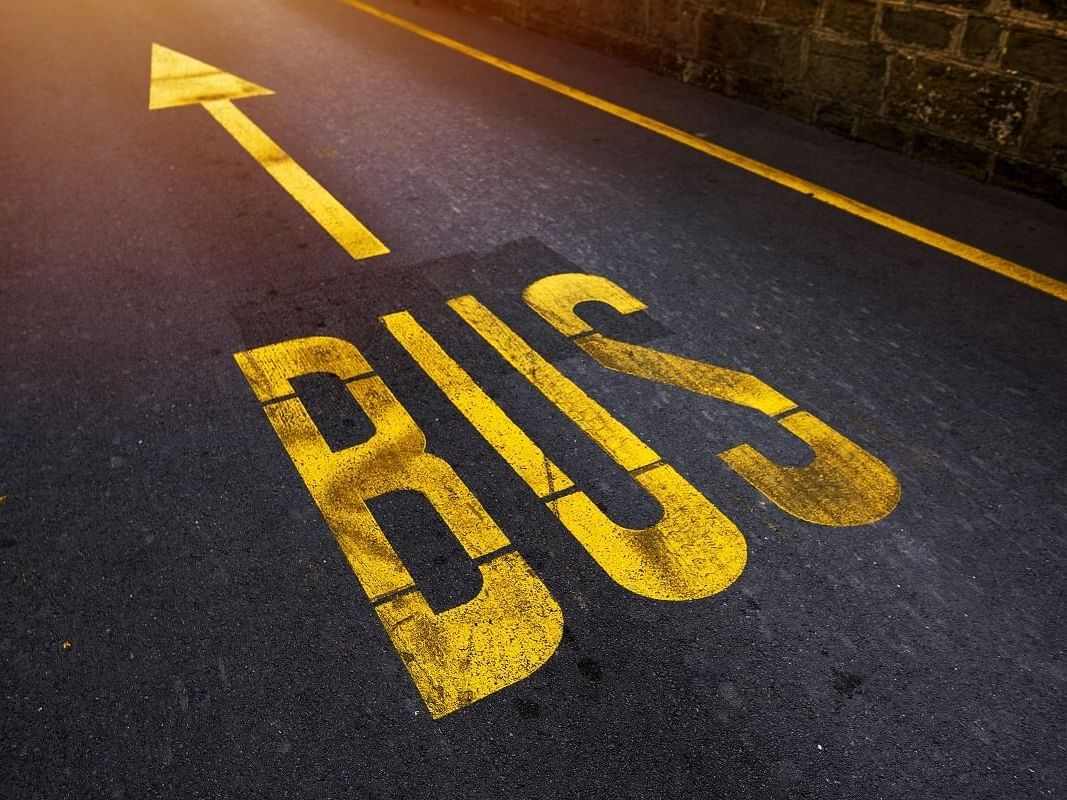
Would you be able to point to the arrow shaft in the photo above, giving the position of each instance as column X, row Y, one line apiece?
column 323, row 207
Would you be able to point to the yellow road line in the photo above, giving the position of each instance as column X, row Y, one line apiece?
column 176, row 80
column 323, row 207
column 1002, row 266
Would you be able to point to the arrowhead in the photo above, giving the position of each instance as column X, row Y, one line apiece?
column 178, row 80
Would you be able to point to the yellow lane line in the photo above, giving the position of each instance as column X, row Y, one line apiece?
column 1002, row 266
column 179, row 80
column 323, row 207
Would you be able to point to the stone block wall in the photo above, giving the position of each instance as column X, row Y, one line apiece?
column 978, row 86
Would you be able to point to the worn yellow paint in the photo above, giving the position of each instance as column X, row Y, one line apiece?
column 733, row 386
column 628, row 451
column 938, row 241
column 270, row 372
column 459, row 655
column 693, row 551
column 495, row 426
column 842, row 485
column 555, row 297
column 178, row 80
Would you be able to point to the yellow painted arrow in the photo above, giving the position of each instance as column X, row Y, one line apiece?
column 178, row 80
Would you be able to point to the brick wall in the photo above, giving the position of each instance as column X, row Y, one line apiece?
column 978, row 86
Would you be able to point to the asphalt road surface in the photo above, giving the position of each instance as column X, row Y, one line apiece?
column 585, row 584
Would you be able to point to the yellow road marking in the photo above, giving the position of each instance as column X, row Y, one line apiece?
column 457, row 656
column 496, row 427
column 181, row 80
column 843, row 485
column 614, row 438
column 178, row 80
column 693, row 551
column 1001, row 266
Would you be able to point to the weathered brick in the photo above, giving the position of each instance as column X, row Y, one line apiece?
column 614, row 43
column 918, row 26
column 698, row 73
column 663, row 13
column 739, row 44
column 1031, row 178
column 774, row 96
column 742, row 8
column 555, row 17
column 791, row 12
column 1043, row 57
column 1046, row 140
column 553, row 8
column 1054, row 9
column 559, row 7
column 980, row 37
column 624, row 16
column 845, row 75
column 851, row 17
column 835, row 117
column 513, row 13
column 971, row 5
column 884, row 134
column 849, row 73
column 502, row 9
column 951, row 154
column 956, row 100
column 673, row 24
